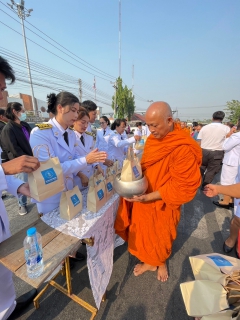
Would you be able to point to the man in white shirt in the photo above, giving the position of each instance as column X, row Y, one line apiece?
column 211, row 138
column 14, row 186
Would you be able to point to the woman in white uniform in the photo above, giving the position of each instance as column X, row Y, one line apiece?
column 117, row 142
column 231, row 146
column 102, row 139
column 61, row 142
column 84, row 145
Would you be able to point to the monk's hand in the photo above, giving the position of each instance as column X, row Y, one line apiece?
column 142, row 198
column 211, row 190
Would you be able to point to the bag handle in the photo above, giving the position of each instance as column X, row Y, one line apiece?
column 39, row 147
column 66, row 184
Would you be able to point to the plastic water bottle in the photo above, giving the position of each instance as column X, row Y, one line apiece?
column 33, row 253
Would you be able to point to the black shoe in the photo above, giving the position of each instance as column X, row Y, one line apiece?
column 24, row 301
column 79, row 257
column 226, row 248
column 224, row 206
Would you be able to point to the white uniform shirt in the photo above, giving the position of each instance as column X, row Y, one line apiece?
column 147, row 130
column 70, row 161
column 116, row 146
column 213, row 135
column 7, row 291
column 102, row 139
column 231, row 146
column 82, row 151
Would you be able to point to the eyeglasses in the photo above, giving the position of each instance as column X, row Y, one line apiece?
column 102, row 122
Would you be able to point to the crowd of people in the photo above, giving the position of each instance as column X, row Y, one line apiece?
column 176, row 160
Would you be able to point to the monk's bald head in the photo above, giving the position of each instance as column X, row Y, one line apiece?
column 159, row 119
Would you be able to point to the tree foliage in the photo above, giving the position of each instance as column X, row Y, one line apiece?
column 124, row 101
column 233, row 111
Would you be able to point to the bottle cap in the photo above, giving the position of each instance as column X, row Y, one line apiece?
column 31, row 231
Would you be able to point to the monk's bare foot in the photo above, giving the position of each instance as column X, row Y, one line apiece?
column 162, row 273
column 140, row 268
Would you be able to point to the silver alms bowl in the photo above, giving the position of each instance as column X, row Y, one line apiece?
column 130, row 189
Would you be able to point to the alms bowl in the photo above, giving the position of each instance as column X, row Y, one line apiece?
column 130, row 189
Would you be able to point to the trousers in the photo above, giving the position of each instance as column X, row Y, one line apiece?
column 211, row 164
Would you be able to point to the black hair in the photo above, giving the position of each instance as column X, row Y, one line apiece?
column 138, row 124
column 6, row 70
column 2, row 112
column 106, row 120
column 195, row 123
column 10, row 107
column 89, row 105
column 218, row 115
column 117, row 123
column 63, row 98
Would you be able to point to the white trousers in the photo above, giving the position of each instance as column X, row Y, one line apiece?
column 228, row 175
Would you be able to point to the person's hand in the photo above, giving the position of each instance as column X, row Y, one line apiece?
column 211, row 190
column 84, row 179
column 142, row 198
column 232, row 130
column 24, row 189
column 108, row 163
column 100, row 170
column 26, row 164
column 96, row 156
column 137, row 138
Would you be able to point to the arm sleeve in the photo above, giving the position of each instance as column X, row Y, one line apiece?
column 9, row 143
column 185, row 178
column 231, row 142
column 122, row 143
column 68, row 167
column 9, row 183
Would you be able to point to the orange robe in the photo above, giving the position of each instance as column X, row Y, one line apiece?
column 171, row 166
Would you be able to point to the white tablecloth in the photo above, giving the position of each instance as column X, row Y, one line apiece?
column 99, row 225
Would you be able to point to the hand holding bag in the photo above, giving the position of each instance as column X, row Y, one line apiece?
column 141, row 144
column 131, row 170
column 47, row 180
column 70, row 202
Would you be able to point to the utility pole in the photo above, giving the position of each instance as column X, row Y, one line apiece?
column 120, row 26
column 80, row 90
column 22, row 13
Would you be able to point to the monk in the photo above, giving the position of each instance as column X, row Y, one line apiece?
column 177, row 124
column 170, row 162
column 184, row 127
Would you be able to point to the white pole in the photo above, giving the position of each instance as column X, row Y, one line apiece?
column 120, row 38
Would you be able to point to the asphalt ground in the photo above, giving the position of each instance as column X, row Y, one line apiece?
column 202, row 229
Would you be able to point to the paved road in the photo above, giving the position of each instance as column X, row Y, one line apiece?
column 201, row 230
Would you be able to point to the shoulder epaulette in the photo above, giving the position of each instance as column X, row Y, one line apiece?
column 43, row 126
column 89, row 133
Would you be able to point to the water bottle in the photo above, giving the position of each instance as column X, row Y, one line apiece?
column 33, row 253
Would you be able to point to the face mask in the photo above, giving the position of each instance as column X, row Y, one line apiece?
column 22, row 117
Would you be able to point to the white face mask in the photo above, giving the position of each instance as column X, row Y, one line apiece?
column 22, row 117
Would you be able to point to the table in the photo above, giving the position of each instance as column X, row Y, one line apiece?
column 56, row 248
column 98, row 226
column 59, row 239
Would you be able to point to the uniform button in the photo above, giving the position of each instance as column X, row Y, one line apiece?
column 69, row 157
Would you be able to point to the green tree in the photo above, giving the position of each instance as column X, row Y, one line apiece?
column 233, row 110
column 124, row 101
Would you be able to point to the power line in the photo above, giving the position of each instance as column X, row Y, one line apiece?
column 97, row 69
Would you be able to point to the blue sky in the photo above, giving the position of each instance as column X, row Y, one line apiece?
column 185, row 52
